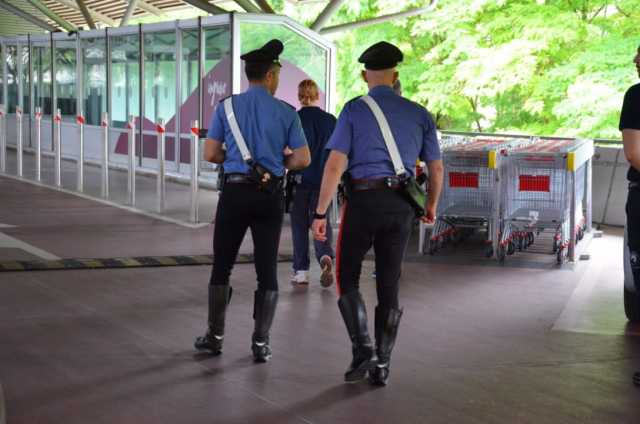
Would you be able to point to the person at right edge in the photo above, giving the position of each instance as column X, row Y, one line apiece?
column 376, row 212
column 630, row 127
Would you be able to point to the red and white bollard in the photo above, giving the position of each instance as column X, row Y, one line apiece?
column 104, row 124
column 80, row 122
column 195, row 166
column 160, row 130
column 38, row 116
column 19, row 141
column 131, row 183
column 57, row 147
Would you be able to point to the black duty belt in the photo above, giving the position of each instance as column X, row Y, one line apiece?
column 634, row 185
column 392, row 183
column 237, row 179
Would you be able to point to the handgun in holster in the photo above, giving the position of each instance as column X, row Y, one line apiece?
column 220, row 177
column 263, row 178
column 291, row 181
column 345, row 188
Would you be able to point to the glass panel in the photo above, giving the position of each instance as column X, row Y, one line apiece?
column 24, row 77
column 65, row 56
column 160, row 77
column 12, row 79
column 41, row 56
column 301, row 58
column 125, row 78
column 94, row 79
column 2, row 82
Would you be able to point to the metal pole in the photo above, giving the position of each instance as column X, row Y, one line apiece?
column 160, row 128
column 131, row 186
column 19, row 140
column 572, row 217
column 195, row 162
column 588, row 193
column 38, row 115
column 31, row 90
column 3, row 140
column 57, row 147
column 105, row 155
column 80, row 121
column 177, row 124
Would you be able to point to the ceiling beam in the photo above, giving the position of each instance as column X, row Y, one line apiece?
column 326, row 14
column 94, row 13
column 86, row 14
column 206, row 6
column 27, row 17
column 150, row 8
column 51, row 15
column 379, row 19
column 265, row 6
column 129, row 12
column 248, row 6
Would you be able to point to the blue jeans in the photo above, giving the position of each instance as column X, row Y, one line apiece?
column 304, row 206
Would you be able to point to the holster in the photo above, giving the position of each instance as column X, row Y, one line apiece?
column 220, row 178
column 414, row 194
column 291, row 181
column 263, row 178
column 345, row 189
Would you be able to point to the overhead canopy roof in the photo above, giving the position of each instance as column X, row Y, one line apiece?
column 19, row 17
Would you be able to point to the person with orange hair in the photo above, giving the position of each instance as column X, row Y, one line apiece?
column 318, row 126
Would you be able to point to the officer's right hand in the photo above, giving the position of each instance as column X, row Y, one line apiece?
column 429, row 216
column 319, row 228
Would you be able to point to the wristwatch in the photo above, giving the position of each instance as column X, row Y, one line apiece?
column 317, row 215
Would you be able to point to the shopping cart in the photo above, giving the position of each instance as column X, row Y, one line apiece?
column 545, row 187
column 470, row 198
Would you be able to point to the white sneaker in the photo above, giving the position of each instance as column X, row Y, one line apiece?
column 300, row 278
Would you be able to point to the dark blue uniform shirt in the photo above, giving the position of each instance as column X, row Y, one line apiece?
column 267, row 125
column 358, row 135
column 318, row 126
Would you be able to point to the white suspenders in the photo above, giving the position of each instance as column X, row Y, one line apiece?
column 387, row 135
column 235, row 130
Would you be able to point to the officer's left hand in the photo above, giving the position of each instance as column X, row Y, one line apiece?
column 287, row 151
column 429, row 216
column 319, row 228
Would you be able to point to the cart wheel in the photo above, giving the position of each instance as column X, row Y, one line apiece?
column 501, row 254
column 511, row 248
column 520, row 243
column 489, row 251
column 560, row 256
column 531, row 238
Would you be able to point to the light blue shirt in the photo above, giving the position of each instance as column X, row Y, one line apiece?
column 268, row 125
column 358, row 135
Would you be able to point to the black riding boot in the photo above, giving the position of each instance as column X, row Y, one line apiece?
column 387, row 321
column 354, row 314
column 636, row 378
column 264, row 309
column 219, row 297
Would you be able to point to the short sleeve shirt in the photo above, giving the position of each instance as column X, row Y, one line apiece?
column 358, row 135
column 318, row 126
column 630, row 119
column 268, row 125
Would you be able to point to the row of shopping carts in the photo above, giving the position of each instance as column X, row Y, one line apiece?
column 513, row 190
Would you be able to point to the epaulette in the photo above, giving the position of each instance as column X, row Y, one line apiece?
column 288, row 104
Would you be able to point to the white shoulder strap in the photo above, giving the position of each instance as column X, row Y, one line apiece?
column 235, row 129
column 383, row 124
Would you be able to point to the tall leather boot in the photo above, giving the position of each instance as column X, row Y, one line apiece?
column 387, row 322
column 354, row 314
column 264, row 309
column 219, row 298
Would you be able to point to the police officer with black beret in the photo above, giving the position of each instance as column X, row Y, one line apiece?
column 376, row 212
column 249, row 134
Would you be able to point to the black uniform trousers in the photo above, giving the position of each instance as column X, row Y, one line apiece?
column 381, row 218
column 243, row 206
column 633, row 228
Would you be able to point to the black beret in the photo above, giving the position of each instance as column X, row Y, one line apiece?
column 381, row 55
column 267, row 53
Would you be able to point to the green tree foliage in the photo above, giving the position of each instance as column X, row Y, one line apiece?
column 537, row 66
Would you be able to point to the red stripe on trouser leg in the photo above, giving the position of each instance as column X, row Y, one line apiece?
column 339, row 248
